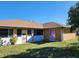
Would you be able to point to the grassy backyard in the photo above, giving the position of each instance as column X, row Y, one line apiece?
column 42, row 49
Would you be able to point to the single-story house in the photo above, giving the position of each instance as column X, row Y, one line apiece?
column 29, row 31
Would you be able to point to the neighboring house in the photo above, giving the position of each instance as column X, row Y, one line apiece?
column 28, row 31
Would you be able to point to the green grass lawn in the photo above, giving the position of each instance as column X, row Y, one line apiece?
column 42, row 49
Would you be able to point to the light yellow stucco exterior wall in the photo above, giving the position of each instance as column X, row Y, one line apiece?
column 69, row 36
column 58, row 35
column 15, row 32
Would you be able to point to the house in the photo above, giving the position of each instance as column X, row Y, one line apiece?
column 28, row 31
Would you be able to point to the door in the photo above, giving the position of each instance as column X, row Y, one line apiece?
column 52, row 35
column 24, row 36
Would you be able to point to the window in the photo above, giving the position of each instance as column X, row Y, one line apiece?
column 29, row 32
column 24, row 32
column 38, row 32
column 10, row 32
column 3, row 32
column 18, row 32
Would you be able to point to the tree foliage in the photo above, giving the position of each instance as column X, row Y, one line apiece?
column 13, row 40
column 73, row 16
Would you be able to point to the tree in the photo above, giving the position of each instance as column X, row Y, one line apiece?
column 73, row 16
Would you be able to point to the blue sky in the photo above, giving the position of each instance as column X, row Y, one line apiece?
column 36, row 11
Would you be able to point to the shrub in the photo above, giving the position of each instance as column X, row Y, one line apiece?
column 0, row 42
column 78, row 38
column 13, row 40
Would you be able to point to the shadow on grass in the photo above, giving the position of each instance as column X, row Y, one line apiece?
column 48, row 52
column 40, row 42
column 75, row 44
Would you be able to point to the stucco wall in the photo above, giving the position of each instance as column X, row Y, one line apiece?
column 19, row 40
column 58, row 34
column 23, row 34
column 14, row 32
column 52, row 36
column 46, row 34
column 69, row 36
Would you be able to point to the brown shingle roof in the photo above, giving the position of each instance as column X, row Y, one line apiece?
column 28, row 24
column 52, row 25
column 20, row 23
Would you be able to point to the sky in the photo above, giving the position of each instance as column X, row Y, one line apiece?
column 38, row 11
